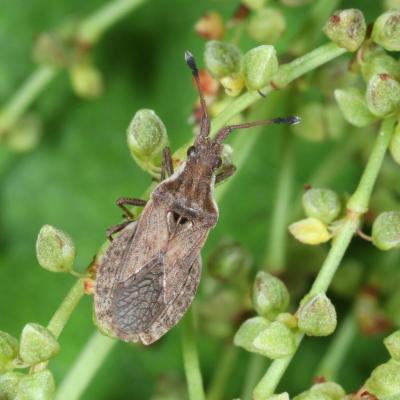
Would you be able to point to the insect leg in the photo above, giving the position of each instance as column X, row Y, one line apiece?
column 167, row 168
column 225, row 173
column 116, row 228
column 122, row 202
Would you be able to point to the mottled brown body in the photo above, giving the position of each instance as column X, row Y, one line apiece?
column 150, row 273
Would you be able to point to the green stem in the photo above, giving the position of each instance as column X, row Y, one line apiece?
column 222, row 373
column 89, row 361
column 64, row 311
column 96, row 24
column 338, row 348
column 275, row 256
column 254, row 372
column 191, row 359
column 91, row 29
column 359, row 201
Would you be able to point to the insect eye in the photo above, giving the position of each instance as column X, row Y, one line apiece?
column 190, row 151
column 218, row 163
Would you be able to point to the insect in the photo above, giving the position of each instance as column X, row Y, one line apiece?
column 150, row 273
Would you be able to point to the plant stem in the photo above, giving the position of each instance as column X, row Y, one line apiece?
column 275, row 255
column 64, row 311
column 96, row 24
column 90, row 31
column 191, row 359
column 359, row 201
column 338, row 348
column 222, row 372
column 89, row 361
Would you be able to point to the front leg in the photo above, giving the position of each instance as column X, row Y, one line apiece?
column 122, row 202
column 167, row 166
column 225, row 173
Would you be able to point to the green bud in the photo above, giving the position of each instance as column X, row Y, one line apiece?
column 330, row 389
column 381, row 64
column 386, row 30
column 37, row 344
column 254, row 4
column 323, row 204
column 270, row 295
column 275, row 341
column 354, row 107
column 313, row 124
column 310, row 395
column 384, row 380
column 39, row 386
column 8, row 351
column 281, row 396
column 348, row 278
column 368, row 51
column 317, row 315
column 55, row 250
column 267, row 25
column 310, row 231
column 259, row 65
column 249, row 331
column 221, row 58
column 230, row 261
column 86, row 80
column 386, row 230
column 347, row 28
column 233, row 84
column 147, row 137
column 9, row 383
column 392, row 343
column 383, row 95
column 25, row 134
column 395, row 145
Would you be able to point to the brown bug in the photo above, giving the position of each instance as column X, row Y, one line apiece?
column 150, row 273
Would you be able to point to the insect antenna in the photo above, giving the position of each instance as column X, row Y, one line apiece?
column 205, row 120
column 224, row 132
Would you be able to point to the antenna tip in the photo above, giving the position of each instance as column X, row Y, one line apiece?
column 292, row 120
column 190, row 61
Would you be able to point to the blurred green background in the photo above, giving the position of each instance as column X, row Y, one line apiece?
column 82, row 165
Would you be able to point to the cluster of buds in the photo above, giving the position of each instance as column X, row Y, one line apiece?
column 384, row 382
column 322, row 208
column 37, row 344
column 271, row 333
column 226, row 286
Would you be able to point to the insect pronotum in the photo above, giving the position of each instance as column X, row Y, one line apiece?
column 150, row 273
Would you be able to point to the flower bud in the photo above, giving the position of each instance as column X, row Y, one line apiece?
column 55, row 250
column 254, row 4
column 270, row 295
column 259, row 65
column 267, row 25
column 9, row 383
column 368, row 51
column 386, row 230
column 86, row 80
column 37, row 344
column 37, row 386
column 230, row 261
column 381, row 64
column 147, row 137
column 313, row 124
column 25, row 134
column 310, row 231
column 317, row 315
column 210, row 26
column 233, row 84
column 310, row 395
column 384, row 380
column 275, row 341
column 249, row 331
column 8, row 351
column 394, row 146
column 386, row 30
column 347, row 279
column 280, row 396
column 392, row 343
column 221, row 58
column 347, row 28
column 383, row 95
column 332, row 390
column 354, row 107
column 288, row 319
column 323, row 204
